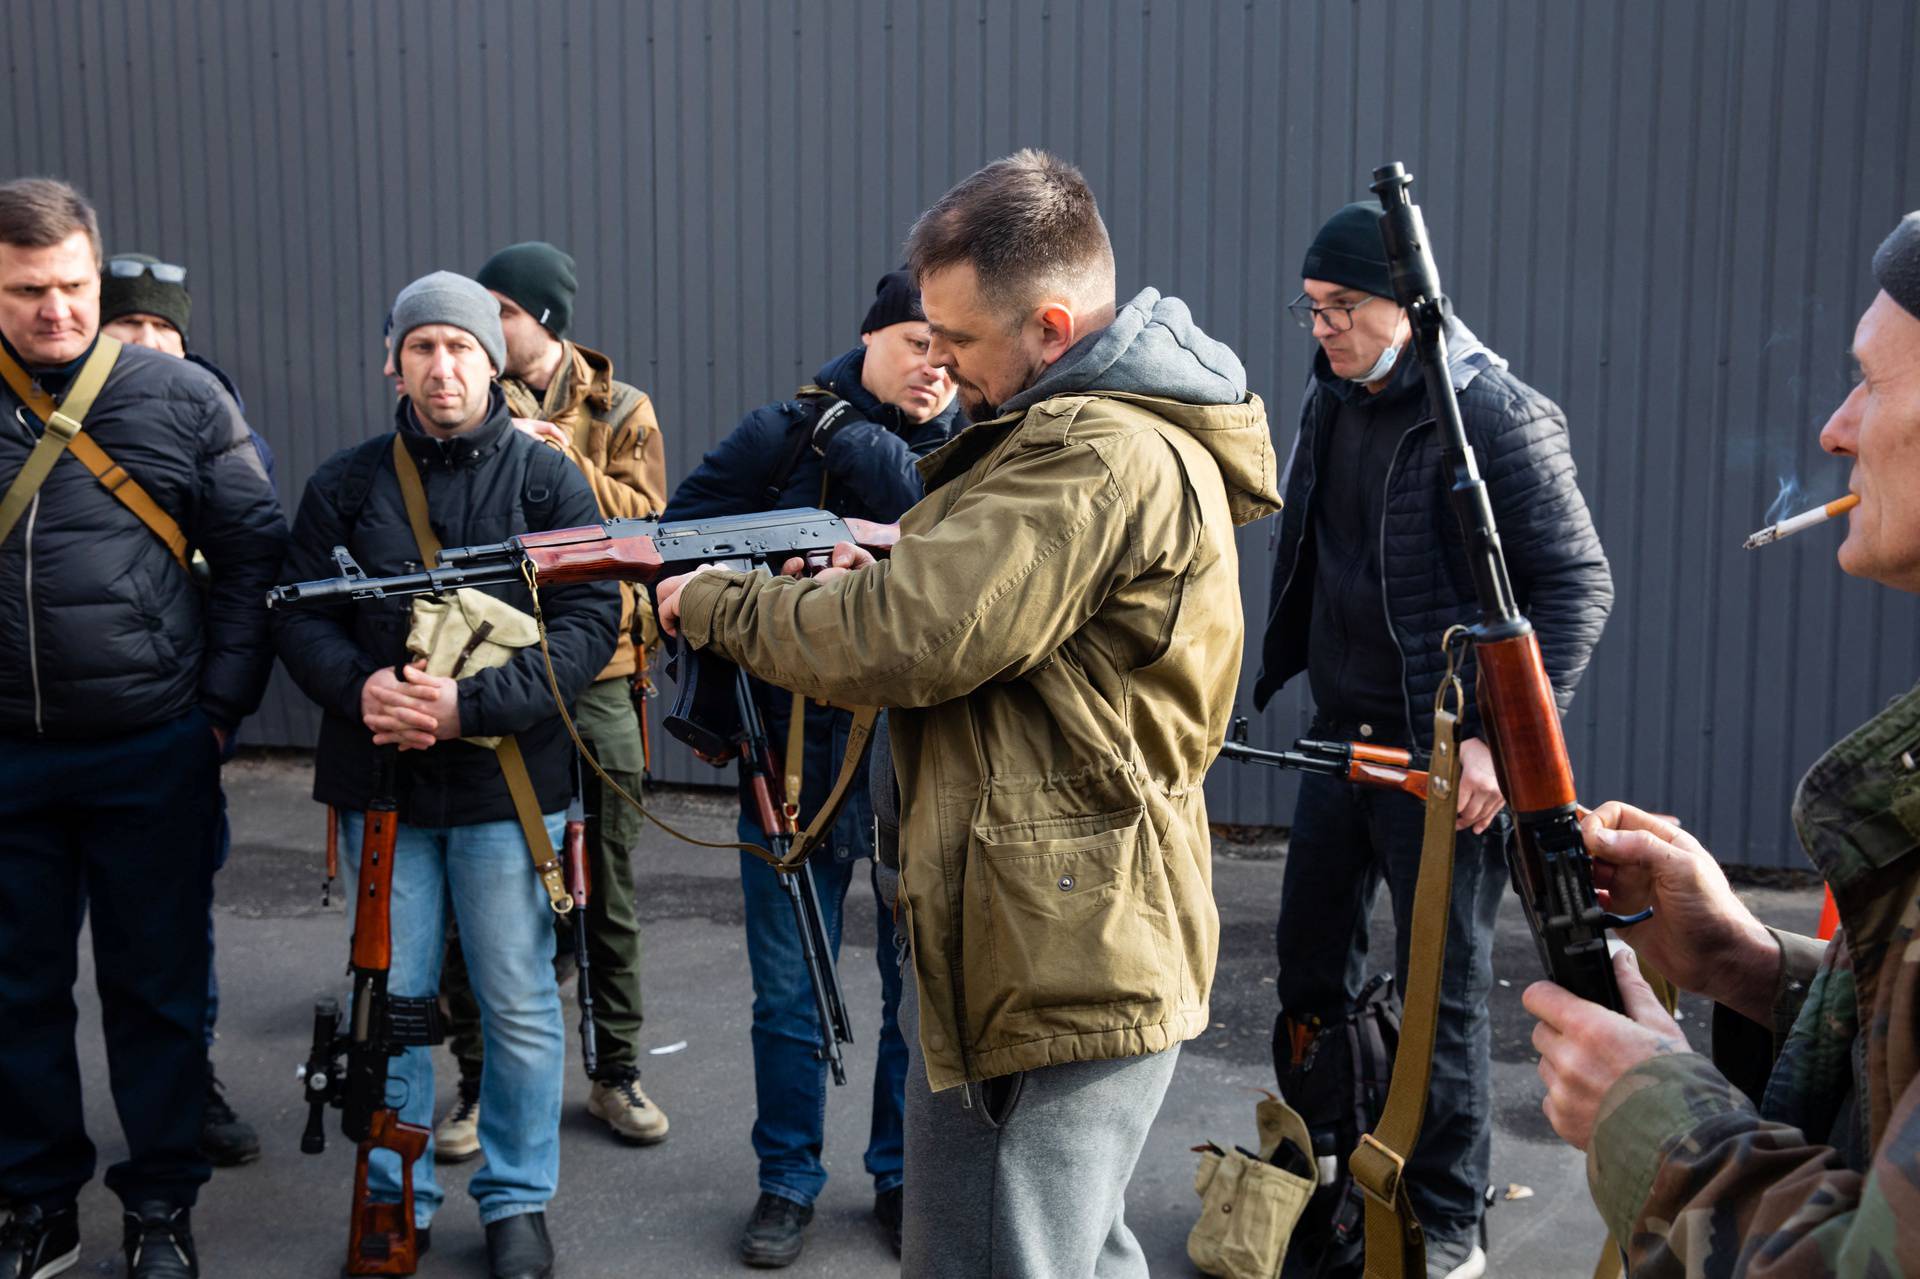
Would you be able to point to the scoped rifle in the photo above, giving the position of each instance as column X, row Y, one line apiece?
column 348, row 1069
column 1546, row 856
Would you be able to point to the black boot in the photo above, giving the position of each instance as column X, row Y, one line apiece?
column 225, row 1139
column 37, row 1243
column 159, row 1242
column 887, row 1210
column 518, row 1247
column 775, row 1232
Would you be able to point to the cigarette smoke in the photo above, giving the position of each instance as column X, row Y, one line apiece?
column 1788, row 501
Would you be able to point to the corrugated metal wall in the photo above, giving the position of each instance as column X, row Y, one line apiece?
column 1662, row 212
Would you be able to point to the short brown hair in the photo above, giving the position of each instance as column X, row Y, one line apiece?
column 38, row 213
column 1024, row 222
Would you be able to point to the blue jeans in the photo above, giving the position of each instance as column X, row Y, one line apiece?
column 789, row 1083
column 506, row 934
column 1347, row 840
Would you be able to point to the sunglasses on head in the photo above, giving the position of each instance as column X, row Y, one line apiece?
column 132, row 269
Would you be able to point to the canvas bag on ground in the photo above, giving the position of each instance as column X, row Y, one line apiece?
column 1248, row 1207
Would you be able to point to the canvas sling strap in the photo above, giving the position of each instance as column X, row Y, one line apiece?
column 1396, row 1246
column 64, row 423
column 858, row 735
column 513, row 765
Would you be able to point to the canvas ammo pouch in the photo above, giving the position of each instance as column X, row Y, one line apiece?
column 1248, row 1206
column 466, row 632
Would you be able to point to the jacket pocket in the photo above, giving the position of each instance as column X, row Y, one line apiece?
column 1066, row 914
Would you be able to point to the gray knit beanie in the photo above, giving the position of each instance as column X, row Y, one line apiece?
column 446, row 298
column 1896, row 264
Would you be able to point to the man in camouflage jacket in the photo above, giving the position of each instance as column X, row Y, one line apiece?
column 1711, row 1169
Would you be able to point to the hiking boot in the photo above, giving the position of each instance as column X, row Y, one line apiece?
column 37, row 1243
column 774, row 1235
column 518, row 1247
column 159, row 1242
column 456, row 1138
column 888, row 1210
column 225, row 1139
column 618, row 1100
column 1455, row 1259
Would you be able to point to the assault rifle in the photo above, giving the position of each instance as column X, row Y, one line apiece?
column 714, row 710
column 580, row 886
column 1387, row 767
column 1546, row 855
column 348, row 1068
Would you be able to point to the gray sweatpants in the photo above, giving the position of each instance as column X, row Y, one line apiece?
column 1027, row 1174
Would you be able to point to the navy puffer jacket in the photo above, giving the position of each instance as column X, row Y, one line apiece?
column 1559, row 571
column 101, row 631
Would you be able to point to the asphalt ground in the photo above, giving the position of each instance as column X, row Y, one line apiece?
column 675, row 1209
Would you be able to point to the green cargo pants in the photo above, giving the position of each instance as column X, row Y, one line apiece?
column 611, row 730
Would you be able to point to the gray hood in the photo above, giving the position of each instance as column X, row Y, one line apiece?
column 1153, row 347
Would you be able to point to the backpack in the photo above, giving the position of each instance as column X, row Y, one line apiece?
column 1339, row 1086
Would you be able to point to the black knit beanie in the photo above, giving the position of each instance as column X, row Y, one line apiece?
column 1349, row 251
column 1896, row 264
column 143, row 294
column 896, row 300
column 540, row 280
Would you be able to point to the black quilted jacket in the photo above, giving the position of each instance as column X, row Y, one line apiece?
column 101, row 631
column 1554, row 557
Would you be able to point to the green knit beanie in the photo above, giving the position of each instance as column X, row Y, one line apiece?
column 540, row 280
column 139, row 291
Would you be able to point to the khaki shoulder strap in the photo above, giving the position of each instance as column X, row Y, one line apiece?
column 513, row 765
column 1396, row 1245
column 63, row 426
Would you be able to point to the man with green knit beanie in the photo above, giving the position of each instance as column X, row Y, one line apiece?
column 566, row 394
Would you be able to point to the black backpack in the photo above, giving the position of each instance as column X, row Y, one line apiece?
column 1339, row 1086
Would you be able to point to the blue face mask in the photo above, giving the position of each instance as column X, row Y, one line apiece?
column 1381, row 367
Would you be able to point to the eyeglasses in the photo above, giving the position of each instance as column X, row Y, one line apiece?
column 1338, row 318
column 133, row 269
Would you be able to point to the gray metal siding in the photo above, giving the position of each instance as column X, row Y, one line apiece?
column 1661, row 212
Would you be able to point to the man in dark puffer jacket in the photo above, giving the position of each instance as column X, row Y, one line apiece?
column 459, row 841
column 124, row 683
column 1369, row 574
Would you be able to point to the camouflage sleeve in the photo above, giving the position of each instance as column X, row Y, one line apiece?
column 1701, row 1187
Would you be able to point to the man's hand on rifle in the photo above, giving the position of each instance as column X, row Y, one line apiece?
column 1480, row 798
column 1585, row 1048
column 845, row 558
column 666, row 600
column 413, row 715
column 1701, row 937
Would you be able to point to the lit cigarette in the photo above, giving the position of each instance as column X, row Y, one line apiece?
column 1806, row 519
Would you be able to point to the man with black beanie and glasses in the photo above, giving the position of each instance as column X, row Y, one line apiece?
column 1369, row 574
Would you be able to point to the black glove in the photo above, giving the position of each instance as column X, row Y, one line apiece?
column 838, row 415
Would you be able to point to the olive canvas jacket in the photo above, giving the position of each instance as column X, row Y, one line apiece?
column 1059, row 634
column 1813, row 1170
column 615, row 441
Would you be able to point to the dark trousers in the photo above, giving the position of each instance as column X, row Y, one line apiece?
column 1347, row 840
column 124, row 827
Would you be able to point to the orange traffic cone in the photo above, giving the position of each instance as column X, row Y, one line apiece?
column 1829, row 917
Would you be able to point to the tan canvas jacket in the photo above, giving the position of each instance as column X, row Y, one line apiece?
column 1060, row 631
column 616, row 444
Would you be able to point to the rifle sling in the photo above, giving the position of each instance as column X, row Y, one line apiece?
column 513, row 765
column 64, row 424
column 1396, row 1245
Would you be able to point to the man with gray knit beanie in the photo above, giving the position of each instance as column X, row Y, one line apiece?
column 1794, row 1149
column 460, row 839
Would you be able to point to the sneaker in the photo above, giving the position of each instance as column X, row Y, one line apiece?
column 626, row 1109
column 518, row 1247
column 1455, row 1259
column 36, row 1243
column 159, row 1242
column 225, row 1139
column 456, row 1138
column 773, row 1235
column 888, row 1211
